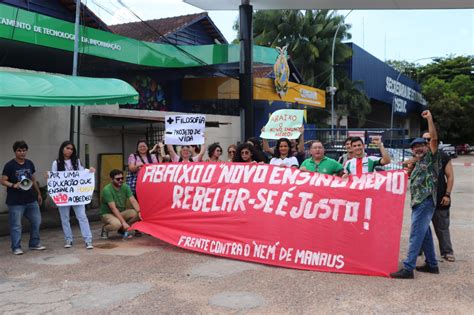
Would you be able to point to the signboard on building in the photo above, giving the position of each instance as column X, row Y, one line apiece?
column 383, row 83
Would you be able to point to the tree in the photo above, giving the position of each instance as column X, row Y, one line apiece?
column 447, row 68
column 309, row 36
column 409, row 69
column 352, row 102
column 448, row 86
column 452, row 105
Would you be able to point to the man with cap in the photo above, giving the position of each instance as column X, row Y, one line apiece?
column 423, row 188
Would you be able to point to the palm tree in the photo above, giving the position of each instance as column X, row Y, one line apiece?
column 309, row 35
column 352, row 101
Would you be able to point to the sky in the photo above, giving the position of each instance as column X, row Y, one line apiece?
column 411, row 35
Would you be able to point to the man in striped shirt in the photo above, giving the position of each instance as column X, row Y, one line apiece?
column 360, row 163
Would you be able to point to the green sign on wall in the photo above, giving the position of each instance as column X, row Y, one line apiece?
column 25, row 26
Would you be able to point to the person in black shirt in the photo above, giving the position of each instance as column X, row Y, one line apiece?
column 441, row 216
column 21, row 199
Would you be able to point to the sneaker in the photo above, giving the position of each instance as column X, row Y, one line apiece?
column 38, row 247
column 125, row 235
column 402, row 274
column 104, row 233
column 68, row 244
column 428, row 268
column 89, row 245
column 17, row 251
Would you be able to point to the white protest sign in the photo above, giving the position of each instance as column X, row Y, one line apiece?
column 71, row 188
column 283, row 123
column 185, row 129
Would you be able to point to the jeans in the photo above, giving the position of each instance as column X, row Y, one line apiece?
column 441, row 227
column 31, row 211
column 80, row 211
column 420, row 235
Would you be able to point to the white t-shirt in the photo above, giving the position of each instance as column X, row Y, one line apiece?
column 288, row 161
column 67, row 166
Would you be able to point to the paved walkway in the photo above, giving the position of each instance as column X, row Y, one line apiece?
column 147, row 276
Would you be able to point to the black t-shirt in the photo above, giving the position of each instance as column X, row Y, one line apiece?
column 442, row 184
column 15, row 171
column 300, row 156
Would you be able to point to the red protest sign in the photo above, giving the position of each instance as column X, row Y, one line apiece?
column 277, row 216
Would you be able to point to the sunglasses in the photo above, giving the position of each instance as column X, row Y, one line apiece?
column 231, row 151
column 427, row 139
column 118, row 179
column 245, row 152
column 218, row 150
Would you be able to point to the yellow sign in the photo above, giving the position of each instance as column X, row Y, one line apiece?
column 263, row 89
column 297, row 93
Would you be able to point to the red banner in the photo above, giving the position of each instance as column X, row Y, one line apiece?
column 276, row 216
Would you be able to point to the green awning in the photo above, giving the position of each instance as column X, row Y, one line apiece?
column 37, row 29
column 30, row 88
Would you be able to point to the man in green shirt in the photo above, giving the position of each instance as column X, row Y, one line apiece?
column 113, row 210
column 320, row 163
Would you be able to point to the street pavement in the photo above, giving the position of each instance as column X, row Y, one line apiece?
column 147, row 276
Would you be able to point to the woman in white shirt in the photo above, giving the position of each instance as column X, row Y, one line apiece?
column 185, row 155
column 282, row 155
column 68, row 161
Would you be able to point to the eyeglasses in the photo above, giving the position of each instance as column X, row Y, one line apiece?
column 244, row 152
column 118, row 179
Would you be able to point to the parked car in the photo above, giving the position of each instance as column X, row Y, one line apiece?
column 449, row 149
column 464, row 149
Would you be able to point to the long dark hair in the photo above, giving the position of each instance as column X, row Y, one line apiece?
column 74, row 159
column 255, row 156
column 277, row 148
column 148, row 155
column 212, row 148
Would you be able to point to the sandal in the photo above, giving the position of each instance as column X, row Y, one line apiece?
column 449, row 257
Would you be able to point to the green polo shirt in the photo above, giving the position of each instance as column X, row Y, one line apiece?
column 119, row 196
column 325, row 166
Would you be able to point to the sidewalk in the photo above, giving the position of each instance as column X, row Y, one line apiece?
column 145, row 275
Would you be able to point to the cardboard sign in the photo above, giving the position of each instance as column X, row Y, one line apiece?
column 283, row 123
column 71, row 188
column 185, row 129
column 276, row 216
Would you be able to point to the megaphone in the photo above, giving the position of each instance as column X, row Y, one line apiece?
column 25, row 183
